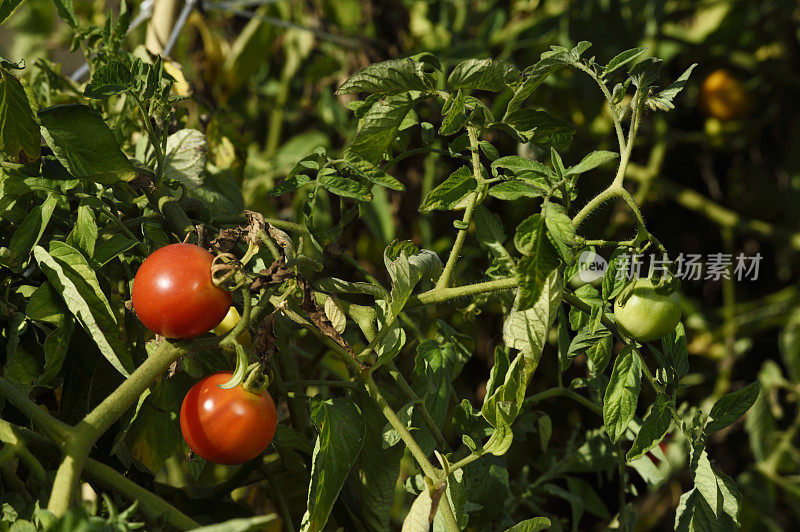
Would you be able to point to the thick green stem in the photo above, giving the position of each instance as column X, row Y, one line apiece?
column 442, row 295
column 99, row 420
column 152, row 506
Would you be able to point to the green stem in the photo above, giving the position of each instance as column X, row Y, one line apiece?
column 614, row 114
column 154, row 140
column 419, row 404
column 442, row 295
column 56, row 430
column 447, row 273
column 99, row 420
column 625, row 155
column 564, row 392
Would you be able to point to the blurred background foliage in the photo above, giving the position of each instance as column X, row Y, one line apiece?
column 262, row 77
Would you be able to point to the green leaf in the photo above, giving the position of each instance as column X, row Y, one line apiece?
column 67, row 12
column 527, row 330
column 645, row 73
column 418, row 518
column 341, row 430
column 70, row 274
column 110, row 248
column 596, row 345
column 290, row 184
column 591, row 161
column 560, row 231
column 717, row 489
column 482, row 74
column 342, row 186
column 84, row 234
column 452, row 193
column 515, row 189
column 185, row 159
column 541, row 127
column 731, row 407
column 19, row 133
column 535, row 524
column 540, row 259
column 675, row 349
column 654, row 427
column 613, row 281
column 663, row 100
column 622, row 393
column 502, row 408
column 376, row 470
column 84, row 144
column 455, row 117
column 592, row 502
column 498, row 372
column 154, row 434
column 366, row 170
column 29, row 232
column 241, row 524
column 695, row 515
column 110, row 79
column 622, row 59
column 431, row 380
column 521, row 165
column 389, row 77
column 378, row 128
column 7, row 8
column 45, row 305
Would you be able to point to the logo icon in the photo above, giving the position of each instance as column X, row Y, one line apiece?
column 591, row 266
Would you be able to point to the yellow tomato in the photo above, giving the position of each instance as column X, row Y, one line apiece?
column 723, row 96
column 229, row 322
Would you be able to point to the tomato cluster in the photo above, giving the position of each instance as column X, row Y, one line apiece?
column 174, row 296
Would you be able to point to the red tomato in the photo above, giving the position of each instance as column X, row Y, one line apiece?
column 173, row 293
column 227, row 426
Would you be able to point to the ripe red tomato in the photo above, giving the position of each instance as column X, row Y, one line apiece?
column 227, row 426
column 173, row 293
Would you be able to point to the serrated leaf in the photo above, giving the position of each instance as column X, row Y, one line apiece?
column 535, row 524
column 84, row 144
column 341, row 427
column 515, row 189
column 622, row 393
column 731, row 407
column 654, row 427
column 389, row 77
column 290, row 184
column 19, row 133
column 366, row 170
column 455, row 118
column 521, row 165
column 527, row 330
column 591, row 161
column 596, row 345
column 482, row 74
column 185, row 159
column 378, row 127
column 450, row 193
column 503, row 406
column 70, row 274
column 541, row 127
column 342, row 186
column 560, row 231
column 622, row 59
column 110, row 79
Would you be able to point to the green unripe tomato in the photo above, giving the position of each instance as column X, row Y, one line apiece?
column 647, row 315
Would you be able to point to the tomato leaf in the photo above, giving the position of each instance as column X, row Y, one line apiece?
column 341, row 429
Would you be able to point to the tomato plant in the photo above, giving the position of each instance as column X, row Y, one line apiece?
column 647, row 315
column 227, row 426
column 174, row 295
column 423, row 221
